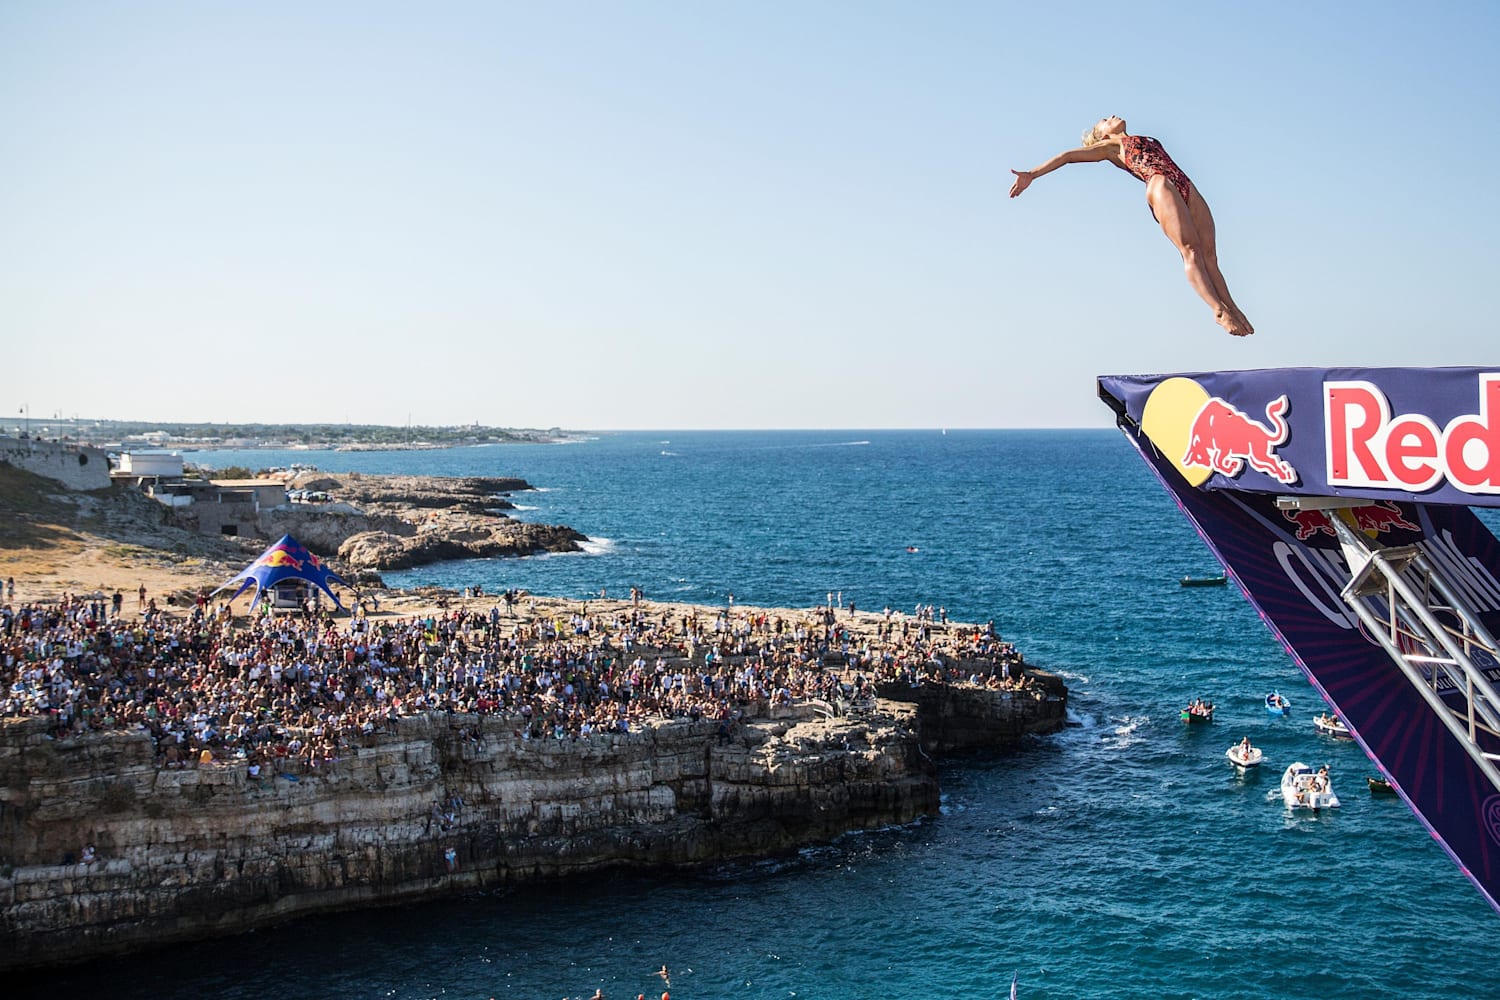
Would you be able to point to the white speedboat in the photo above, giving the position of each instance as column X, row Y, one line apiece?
column 1304, row 788
column 1332, row 725
column 1243, row 755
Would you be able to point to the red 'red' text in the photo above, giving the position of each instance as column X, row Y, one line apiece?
column 1369, row 447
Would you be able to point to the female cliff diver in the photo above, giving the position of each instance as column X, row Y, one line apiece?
column 1175, row 203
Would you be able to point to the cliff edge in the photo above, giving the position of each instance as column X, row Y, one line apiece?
column 442, row 803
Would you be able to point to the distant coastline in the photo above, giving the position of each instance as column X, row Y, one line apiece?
column 127, row 435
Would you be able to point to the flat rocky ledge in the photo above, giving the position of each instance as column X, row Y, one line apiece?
column 389, row 522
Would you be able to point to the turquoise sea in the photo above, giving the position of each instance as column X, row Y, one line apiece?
column 1123, row 857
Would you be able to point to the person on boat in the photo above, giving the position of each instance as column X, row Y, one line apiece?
column 1245, row 747
column 1176, row 204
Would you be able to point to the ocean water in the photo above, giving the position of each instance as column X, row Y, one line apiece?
column 1123, row 857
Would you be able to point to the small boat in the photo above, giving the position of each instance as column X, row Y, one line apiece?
column 1380, row 786
column 1198, row 711
column 1204, row 581
column 1304, row 788
column 1243, row 755
column 1276, row 704
column 1332, row 725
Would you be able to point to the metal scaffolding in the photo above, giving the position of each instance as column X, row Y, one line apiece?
column 1424, row 624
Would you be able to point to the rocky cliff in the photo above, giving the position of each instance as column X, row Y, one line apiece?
column 963, row 717
column 396, row 522
column 442, row 804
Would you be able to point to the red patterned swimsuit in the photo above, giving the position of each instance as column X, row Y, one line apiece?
column 1145, row 158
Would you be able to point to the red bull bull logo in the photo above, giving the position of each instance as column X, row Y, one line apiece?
column 1203, row 435
column 1380, row 517
column 1225, row 439
column 1373, row 519
column 277, row 558
column 1368, row 447
column 1310, row 523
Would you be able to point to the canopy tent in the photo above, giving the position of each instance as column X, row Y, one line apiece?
column 288, row 559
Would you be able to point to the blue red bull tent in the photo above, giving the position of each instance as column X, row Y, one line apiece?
column 287, row 559
column 1340, row 501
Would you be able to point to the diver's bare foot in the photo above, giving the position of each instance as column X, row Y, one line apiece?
column 1241, row 321
column 1234, row 324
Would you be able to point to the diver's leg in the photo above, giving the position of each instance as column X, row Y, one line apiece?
column 1177, row 222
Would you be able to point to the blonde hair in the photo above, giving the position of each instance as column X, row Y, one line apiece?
column 1091, row 134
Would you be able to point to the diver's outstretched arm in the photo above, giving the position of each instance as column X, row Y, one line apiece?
column 1083, row 154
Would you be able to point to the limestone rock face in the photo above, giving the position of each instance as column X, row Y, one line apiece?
column 396, row 522
column 475, row 494
column 441, row 804
column 961, row 717
column 456, row 537
column 322, row 531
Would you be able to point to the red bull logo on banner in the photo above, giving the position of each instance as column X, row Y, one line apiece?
column 1368, row 447
column 1373, row 519
column 1202, row 435
column 1224, row 439
column 1394, row 434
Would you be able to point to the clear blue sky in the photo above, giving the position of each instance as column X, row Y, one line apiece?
column 720, row 215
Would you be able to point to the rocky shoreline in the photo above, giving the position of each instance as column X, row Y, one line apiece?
column 109, row 844
column 53, row 538
column 396, row 522
column 442, row 804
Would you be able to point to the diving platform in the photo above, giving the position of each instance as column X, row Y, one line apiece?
column 1342, row 501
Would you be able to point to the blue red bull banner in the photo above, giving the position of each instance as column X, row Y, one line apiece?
column 1420, row 447
column 287, row 559
column 1395, row 434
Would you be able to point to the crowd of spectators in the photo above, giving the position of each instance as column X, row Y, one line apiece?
column 288, row 692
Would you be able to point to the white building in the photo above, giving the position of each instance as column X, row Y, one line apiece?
column 150, row 464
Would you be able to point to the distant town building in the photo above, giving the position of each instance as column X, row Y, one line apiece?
column 140, row 467
column 267, row 492
column 76, row 466
column 220, row 506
